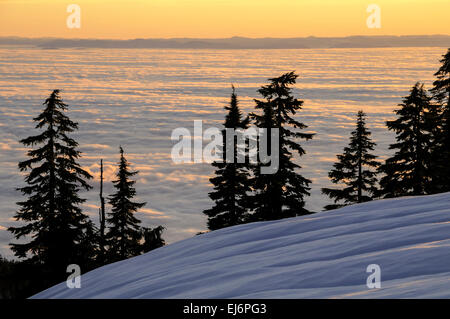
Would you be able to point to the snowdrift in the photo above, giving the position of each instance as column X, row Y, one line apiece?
column 324, row 255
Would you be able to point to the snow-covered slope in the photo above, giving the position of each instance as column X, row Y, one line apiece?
column 324, row 255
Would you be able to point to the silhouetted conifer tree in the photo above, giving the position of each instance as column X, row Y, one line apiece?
column 353, row 169
column 231, row 183
column 441, row 149
column 407, row 172
column 54, row 222
column 152, row 238
column 124, row 234
column 281, row 194
column 90, row 248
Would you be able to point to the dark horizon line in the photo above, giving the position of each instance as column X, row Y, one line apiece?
column 237, row 42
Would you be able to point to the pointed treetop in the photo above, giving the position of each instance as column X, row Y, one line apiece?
column 55, row 99
column 445, row 68
column 279, row 85
column 361, row 114
column 287, row 78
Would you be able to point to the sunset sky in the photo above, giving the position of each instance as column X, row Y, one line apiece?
column 221, row 18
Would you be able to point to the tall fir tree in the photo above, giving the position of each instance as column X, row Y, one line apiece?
column 55, row 224
column 281, row 194
column 407, row 172
column 441, row 149
column 231, row 183
column 355, row 169
column 124, row 234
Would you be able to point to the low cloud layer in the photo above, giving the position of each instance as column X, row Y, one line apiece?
column 135, row 98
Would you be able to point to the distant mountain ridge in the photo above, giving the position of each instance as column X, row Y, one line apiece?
column 238, row 42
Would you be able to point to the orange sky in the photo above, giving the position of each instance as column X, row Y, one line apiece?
column 221, row 18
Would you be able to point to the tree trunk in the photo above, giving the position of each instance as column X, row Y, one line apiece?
column 102, row 213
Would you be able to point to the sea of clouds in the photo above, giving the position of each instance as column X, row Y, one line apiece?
column 135, row 98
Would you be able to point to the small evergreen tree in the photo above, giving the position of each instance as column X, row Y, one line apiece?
column 281, row 194
column 407, row 171
column 54, row 221
column 231, row 183
column 354, row 169
column 441, row 149
column 152, row 238
column 124, row 234
column 90, row 248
